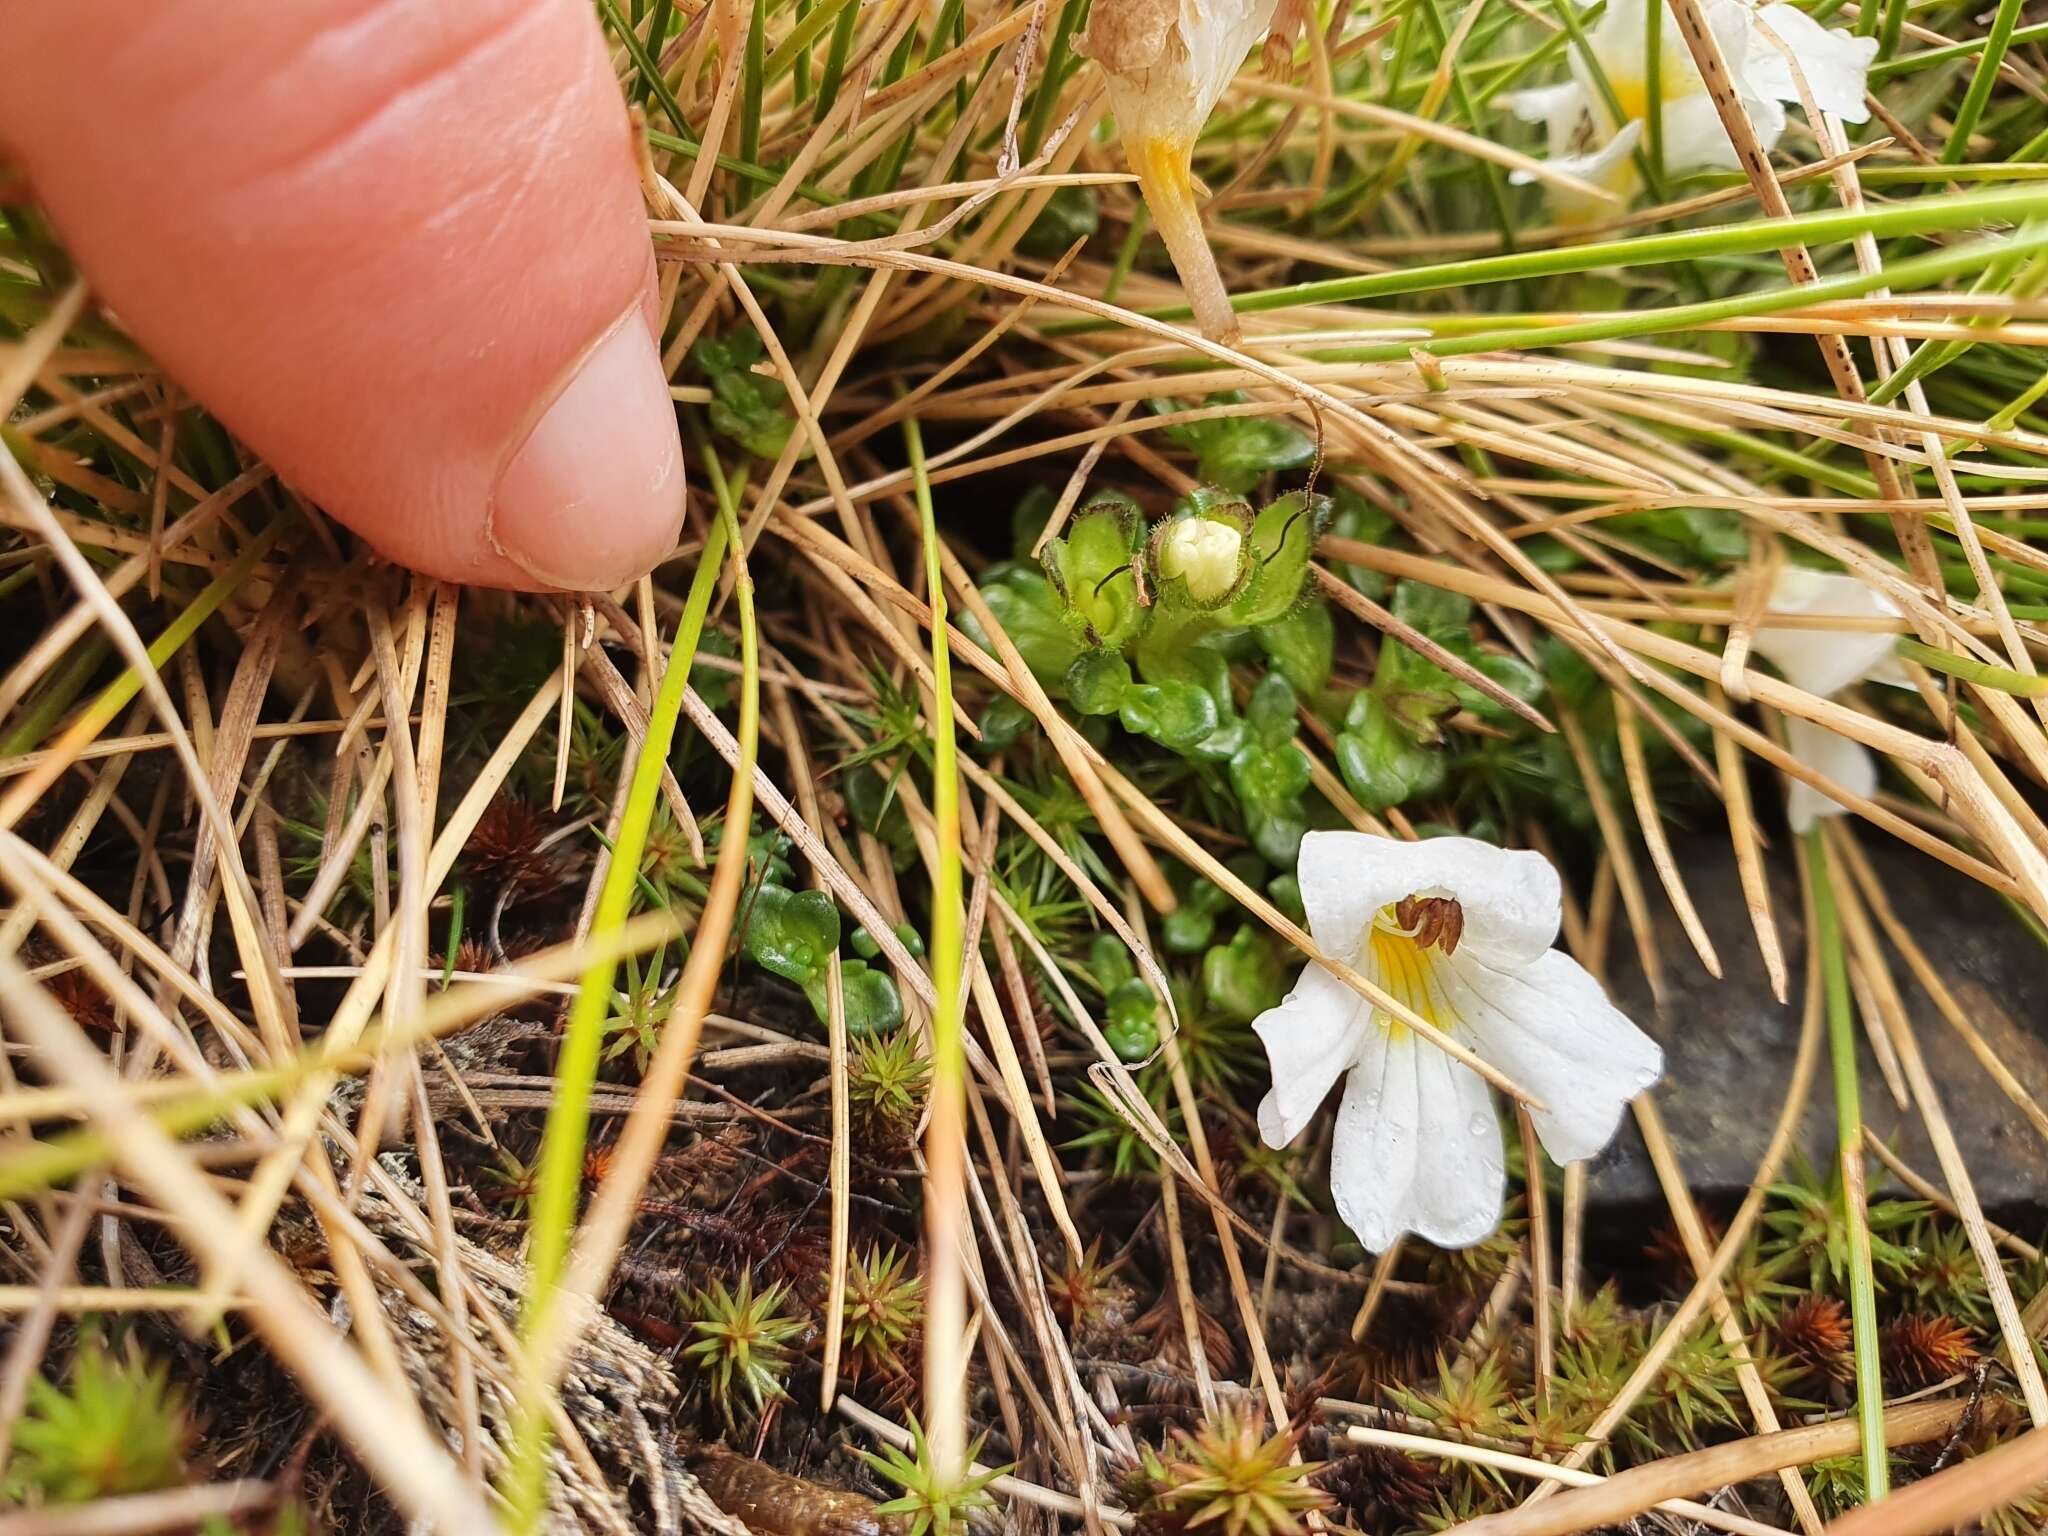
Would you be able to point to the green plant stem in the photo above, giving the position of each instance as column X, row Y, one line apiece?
column 1050, row 79
column 1849, row 1139
column 2026, row 685
column 58, row 692
column 1922, row 216
column 801, row 36
column 945, row 1403
column 1903, row 277
column 1892, row 29
column 835, row 62
column 1996, row 42
column 1653, row 88
column 117, row 695
column 752, row 69
column 650, row 71
column 559, row 1174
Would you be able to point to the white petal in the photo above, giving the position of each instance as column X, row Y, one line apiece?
column 1511, row 897
column 1694, row 139
column 1824, row 661
column 1620, row 41
column 1836, row 64
column 1379, row 1132
column 1847, row 762
column 1611, row 167
column 1456, row 1197
column 1546, row 103
column 1316, row 1032
column 1218, row 34
column 1733, row 24
column 1550, row 1027
column 1560, row 108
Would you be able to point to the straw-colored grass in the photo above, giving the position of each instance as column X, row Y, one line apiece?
column 290, row 1066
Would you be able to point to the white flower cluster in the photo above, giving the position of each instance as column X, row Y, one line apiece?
column 1762, row 49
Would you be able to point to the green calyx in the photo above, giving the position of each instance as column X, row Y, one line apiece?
column 1091, row 571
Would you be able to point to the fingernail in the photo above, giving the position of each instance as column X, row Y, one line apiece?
column 594, row 496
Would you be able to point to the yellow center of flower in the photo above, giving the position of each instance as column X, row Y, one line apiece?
column 1676, row 75
column 1204, row 554
column 1407, row 943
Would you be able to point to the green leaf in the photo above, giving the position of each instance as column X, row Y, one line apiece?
column 1109, row 962
column 1243, row 978
column 1097, row 682
column 1381, row 762
column 1302, row 644
column 1090, row 571
column 1269, row 714
column 1236, row 452
column 1203, row 667
column 1513, row 674
column 1270, row 782
column 746, row 407
column 873, row 1006
column 1131, row 1020
column 1690, row 536
column 1177, row 715
column 1002, row 723
column 1070, row 214
column 1029, row 609
column 1285, row 893
column 791, row 933
column 1187, row 930
column 1358, row 519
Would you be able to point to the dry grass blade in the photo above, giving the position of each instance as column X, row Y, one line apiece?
column 1627, row 1494
column 637, row 1031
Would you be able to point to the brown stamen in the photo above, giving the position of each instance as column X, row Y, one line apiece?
column 1432, row 921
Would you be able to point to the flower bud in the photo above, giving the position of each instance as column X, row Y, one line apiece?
column 1208, row 556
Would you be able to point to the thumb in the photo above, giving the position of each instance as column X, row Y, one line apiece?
column 396, row 245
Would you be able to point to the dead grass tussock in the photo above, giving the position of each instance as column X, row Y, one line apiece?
column 302, row 856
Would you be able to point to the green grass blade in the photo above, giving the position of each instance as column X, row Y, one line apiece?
column 1849, row 1137
column 1996, row 42
column 945, row 1407
column 650, row 72
column 559, row 1175
column 752, row 68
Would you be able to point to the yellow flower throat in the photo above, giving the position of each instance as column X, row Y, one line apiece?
column 1408, row 941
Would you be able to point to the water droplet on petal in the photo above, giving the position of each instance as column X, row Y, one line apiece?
column 1478, row 1125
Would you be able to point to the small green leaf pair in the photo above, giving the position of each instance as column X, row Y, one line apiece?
column 794, row 934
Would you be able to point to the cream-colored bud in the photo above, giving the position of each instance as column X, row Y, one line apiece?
column 1205, row 555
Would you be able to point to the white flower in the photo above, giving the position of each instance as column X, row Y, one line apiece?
column 1168, row 63
column 1824, row 662
column 1587, row 142
column 1460, row 931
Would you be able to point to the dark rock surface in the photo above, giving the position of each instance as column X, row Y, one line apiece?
column 1729, row 1045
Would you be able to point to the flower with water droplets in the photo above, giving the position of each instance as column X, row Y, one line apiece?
column 1824, row 662
column 1460, row 931
column 1587, row 140
column 1168, row 63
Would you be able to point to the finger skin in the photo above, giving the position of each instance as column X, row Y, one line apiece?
column 377, row 240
